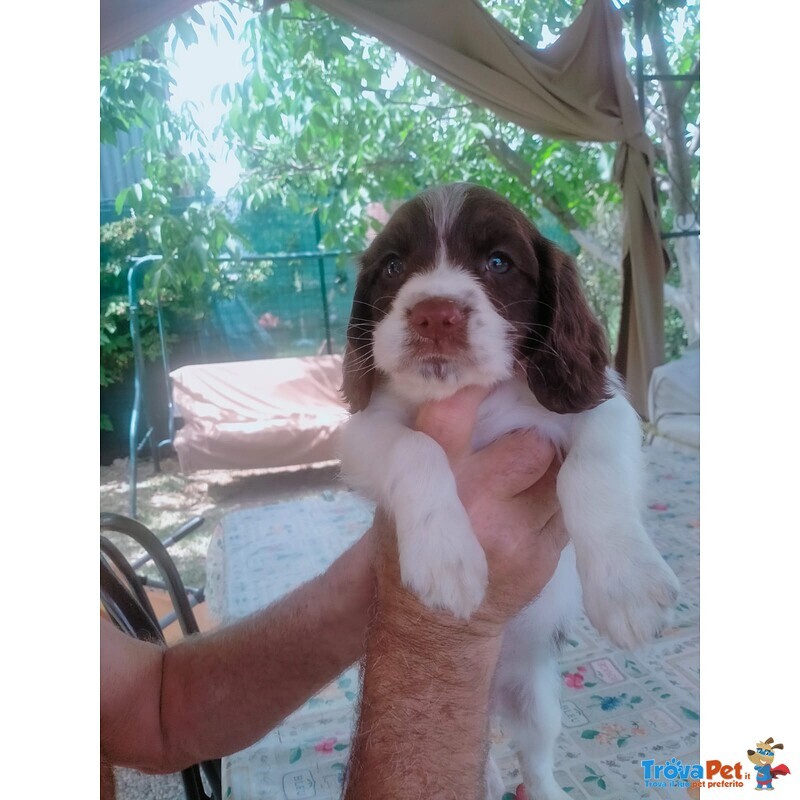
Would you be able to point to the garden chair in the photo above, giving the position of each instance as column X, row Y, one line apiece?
column 124, row 598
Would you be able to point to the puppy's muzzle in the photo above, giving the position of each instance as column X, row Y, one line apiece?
column 440, row 322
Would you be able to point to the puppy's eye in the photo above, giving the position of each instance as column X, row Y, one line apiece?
column 498, row 263
column 394, row 266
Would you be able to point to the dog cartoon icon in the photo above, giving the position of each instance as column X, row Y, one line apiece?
column 762, row 757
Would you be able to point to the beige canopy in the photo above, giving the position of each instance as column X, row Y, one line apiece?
column 578, row 89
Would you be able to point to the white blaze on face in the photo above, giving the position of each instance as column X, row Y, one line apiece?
column 486, row 359
column 444, row 204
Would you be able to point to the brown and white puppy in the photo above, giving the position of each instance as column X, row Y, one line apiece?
column 461, row 289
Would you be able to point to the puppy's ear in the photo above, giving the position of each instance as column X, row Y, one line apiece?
column 359, row 365
column 566, row 348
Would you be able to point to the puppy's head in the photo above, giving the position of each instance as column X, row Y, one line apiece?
column 460, row 289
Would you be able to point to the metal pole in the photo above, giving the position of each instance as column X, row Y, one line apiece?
column 140, row 265
column 323, row 287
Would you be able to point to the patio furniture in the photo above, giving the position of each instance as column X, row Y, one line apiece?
column 674, row 399
column 239, row 414
column 270, row 413
column 125, row 600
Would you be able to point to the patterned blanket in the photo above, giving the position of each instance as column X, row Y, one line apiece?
column 619, row 707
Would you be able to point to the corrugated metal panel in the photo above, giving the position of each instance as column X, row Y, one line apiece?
column 119, row 166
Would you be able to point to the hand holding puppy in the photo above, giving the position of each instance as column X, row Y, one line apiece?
column 509, row 492
column 428, row 673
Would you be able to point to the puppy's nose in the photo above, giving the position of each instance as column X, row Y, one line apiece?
column 437, row 318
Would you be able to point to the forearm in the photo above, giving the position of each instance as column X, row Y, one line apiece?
column 224, row 691
column 423, row 721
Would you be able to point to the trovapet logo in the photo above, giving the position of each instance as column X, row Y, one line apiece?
column 715, row 774
column 674, row 774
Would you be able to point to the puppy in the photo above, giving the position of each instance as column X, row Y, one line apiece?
column 460, row 289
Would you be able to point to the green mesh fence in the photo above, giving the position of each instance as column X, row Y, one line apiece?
column 274, row 307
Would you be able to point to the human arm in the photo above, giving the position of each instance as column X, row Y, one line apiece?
column 423, row 720
column 162, row 709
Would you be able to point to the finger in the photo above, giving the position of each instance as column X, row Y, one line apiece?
column 451, row 421
column 556, row 531
column 521, row 794
column 514, row 462
column 544, row 490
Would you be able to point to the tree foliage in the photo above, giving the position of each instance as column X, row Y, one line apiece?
column 335, row 117
column 331, row 120
column 169, row 212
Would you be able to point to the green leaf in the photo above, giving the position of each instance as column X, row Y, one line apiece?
column 689, row 714
column 340, row 747
column 119, row 203
column 601, row 783
column 589, row 734
column 295, row 755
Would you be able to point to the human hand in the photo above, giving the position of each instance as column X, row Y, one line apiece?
column 509, row 491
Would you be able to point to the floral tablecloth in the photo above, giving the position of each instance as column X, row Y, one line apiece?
column 619, row 707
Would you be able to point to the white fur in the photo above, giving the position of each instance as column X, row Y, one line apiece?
column 487, row 359
column 444, row 203
column 628, row 590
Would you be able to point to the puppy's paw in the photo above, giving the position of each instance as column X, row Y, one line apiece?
column 629, row 594
column 442, row 562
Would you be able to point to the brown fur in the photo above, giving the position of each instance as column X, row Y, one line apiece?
column 567, row 365
column 557, row 339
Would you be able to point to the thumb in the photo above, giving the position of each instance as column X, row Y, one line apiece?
column 450, row 422
column 514, row 462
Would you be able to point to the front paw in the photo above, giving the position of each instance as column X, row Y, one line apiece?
column 629, row 594
column 442, row 562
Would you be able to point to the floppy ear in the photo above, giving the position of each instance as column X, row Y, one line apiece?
column 566, row 347
column 359, row 366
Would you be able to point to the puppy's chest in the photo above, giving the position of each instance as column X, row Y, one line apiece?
column 512, row 406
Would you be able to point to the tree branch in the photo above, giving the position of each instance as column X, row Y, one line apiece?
column 682, row 91
column 594, row 248
column 521, row 169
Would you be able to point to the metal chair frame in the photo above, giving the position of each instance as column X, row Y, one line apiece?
column 122, row 595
